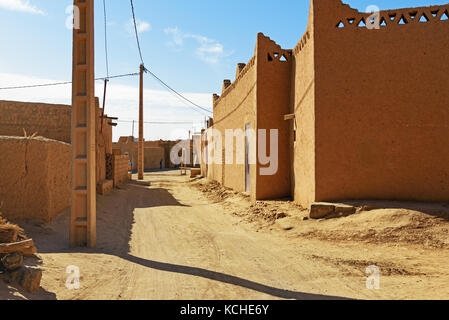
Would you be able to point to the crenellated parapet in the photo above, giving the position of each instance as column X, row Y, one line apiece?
column 240, row 67
column 231, row 86
column 302, row 43
column 226, row 84
column 271, row 50
column 352, row 19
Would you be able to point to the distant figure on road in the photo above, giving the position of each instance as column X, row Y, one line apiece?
column 161, row 164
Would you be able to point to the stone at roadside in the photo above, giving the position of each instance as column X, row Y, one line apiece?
column 321, row 210
column 330, row 210
column 29, row 278
column 285, row 224
column 345, row 209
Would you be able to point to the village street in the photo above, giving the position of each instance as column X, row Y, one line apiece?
column 170, row 241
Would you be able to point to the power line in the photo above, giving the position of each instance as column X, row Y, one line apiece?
column 67, row 82
column 137, row 33
column 37, row 85
column 152, row 74
column 176, row 92
column 156, row 122
column 120, row 76
column 106, row 38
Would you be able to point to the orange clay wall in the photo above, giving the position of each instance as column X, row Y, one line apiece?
column 48, row 120
column 155, row 151
column 153, row 157
column 382, row 104
column 273, row 103
column 104, row 144
column 233, row 110
column 260, row 96
column 302, row 129
column 35, row 178
column 120, row 170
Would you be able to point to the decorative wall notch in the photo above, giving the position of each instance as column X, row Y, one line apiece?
column 226, row 84
column 240, row 67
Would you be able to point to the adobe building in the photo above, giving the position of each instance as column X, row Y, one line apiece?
column 51, row 121
column 35, row 181
column 155, row 151
column 36, row 169
column 258, row 99
column 362, row 112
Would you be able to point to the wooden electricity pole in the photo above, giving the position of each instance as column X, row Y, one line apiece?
column 83, row 211
column 141, row 163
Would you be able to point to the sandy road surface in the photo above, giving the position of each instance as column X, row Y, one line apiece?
column 169, row 241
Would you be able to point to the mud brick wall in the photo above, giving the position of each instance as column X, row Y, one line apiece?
column 35, row 178
column 370, row 106
column 381, row 103
column 234, row 109
column 260, row 97
column 302, row 128
column 152, row 152
column 48, row 120
column 120, row 170
column 153, row 157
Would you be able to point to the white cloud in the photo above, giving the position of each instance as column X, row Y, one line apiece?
column 211, row 53
column 142, row 26
column 177, row 36
column 20, row 5
column 122, row 101
column 208, row 50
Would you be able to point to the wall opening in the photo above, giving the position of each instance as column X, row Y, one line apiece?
column 424, row 18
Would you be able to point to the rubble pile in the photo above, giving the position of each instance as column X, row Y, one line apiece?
column 15, row 247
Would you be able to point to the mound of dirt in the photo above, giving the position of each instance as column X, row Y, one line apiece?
column 376, row 222
column 383, row 226
column 215, row 191
column 266, row 212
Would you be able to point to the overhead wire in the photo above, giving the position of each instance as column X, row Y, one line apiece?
column 154, row 75
column 180, row 96
column 176, row 92
column 106, row 61
column 106, row 39
column 158, row 122
column 136, row 31
column 66, row 82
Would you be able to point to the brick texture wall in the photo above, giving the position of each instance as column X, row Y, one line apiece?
column 120, row 170
column 35, row 178
column 48, row 120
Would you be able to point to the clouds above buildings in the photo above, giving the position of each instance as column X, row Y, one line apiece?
column 207, row 49
column 122, row 101
column 21, row 6
column 142, row 26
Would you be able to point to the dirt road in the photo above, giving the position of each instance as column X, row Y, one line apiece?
column 171, row 241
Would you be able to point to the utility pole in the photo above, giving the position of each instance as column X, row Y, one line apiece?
column 84, row 114
column 141, row 164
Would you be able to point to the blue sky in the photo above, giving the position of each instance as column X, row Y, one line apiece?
column 192, row 45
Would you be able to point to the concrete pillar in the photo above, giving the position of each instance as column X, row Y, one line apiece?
column 141, row 160
column 84, row 114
